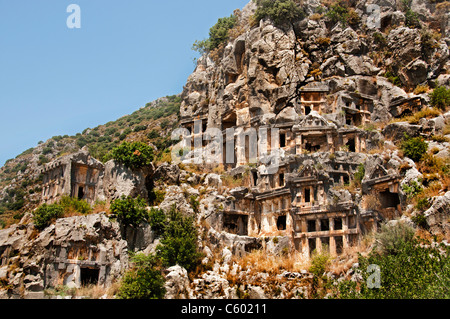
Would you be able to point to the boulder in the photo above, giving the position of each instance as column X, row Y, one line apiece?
column 438, row 214
column 177, row 283
column 167, row 173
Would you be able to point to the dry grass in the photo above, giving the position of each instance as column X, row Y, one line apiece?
column 427, row 113
column 260, row 261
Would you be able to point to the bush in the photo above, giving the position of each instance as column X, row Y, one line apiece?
column 133, row 155
column 391, row 238
column 140, row 128
column 340, row 12
column 157, row 221
column 411, row 17
column 417, row 270
column 45, row 214
column 129, row 211
column 414, row 147
column 440, row 97
column 179, row 242
column 144, row 280
column 359, row 175
column 279, row 11
column 218, row 34
column 71, row 204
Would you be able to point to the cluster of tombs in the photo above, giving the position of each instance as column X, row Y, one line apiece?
column 298, row 199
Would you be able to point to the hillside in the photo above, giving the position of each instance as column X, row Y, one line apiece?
column 20, row 179
column 316, row 142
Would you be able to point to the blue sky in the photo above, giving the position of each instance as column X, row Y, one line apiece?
column 56, row 81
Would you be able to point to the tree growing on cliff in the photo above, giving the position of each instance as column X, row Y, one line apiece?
column 129, row 211
column 134, row 155
column 179, row 242
column 144, row 280
column 278, row 11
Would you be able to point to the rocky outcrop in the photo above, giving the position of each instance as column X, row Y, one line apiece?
column 438, row 215
column 70, row 252
column 119, row 180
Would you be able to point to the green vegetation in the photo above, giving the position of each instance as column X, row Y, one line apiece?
column 320, row 263
column 440, row 97
column 341, row 12
column 359, row 175
column 414, row 147
column 279, row 11
column 129, row 211
column 410, row 268
column 179, row 242
column 411, row 17
column 157, row 220
column 178, row 246
column 71, row 204
column 144, row 280
column 218, row 34
column 134, row 155
column 393, row 78
column 412, row 189
column 45, row 214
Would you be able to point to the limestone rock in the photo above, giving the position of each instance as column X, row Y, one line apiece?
column 120, row 181
column 177, row 283
column 438, row 214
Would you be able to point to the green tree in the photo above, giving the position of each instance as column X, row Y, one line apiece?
column 144, row 280
column 179, row 242
column 129, row 211
column 279, row 11
column 45, row 214
column 440, row 97
column 157, row 221
column 218, row 34
column 414, row 147
column 133, row 155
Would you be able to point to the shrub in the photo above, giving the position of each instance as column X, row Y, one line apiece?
column 421, row 89
column 179, row 242
column 133, row 155
column 412, row 189
column 340, row 12
column 414, row 147
column 440, row 97
column 417, row 270
column 359, row 175
column 71, row 204
column 156, row 196
column 140, row 128
column 45, row 214
column 157, row 221
column 420, row 220
column 129, row 211
column 218, row 34
column 144, row 280
column 279, row 11
column 411, row 17
column 391, row 238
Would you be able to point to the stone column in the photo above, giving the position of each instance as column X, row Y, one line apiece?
column 298, row 142
column 345, row 229
column 332, row 241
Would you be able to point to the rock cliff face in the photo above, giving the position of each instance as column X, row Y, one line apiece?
column 72, row 252
column 263, row 69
